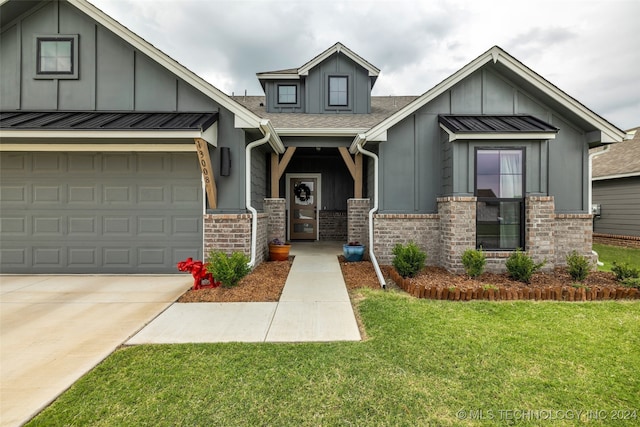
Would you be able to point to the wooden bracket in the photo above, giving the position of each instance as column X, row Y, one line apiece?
column 277, row 169
column 355, row 169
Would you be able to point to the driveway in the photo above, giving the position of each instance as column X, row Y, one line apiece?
column 54, row 329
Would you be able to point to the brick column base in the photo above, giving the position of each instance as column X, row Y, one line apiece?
column 277, row 218
column 457, row 230
column 540, row 230
column 232, row 233
column 358, row 220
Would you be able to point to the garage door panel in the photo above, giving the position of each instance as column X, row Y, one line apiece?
column 135, row 213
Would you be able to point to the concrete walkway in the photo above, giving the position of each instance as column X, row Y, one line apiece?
column 314, row 306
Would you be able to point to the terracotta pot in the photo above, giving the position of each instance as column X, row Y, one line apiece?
column 279, row 252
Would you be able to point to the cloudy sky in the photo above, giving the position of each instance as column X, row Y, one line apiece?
column 588, row 48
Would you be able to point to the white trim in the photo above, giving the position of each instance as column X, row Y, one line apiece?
column 339, row 48
column 320, row 131
column 164, row 148
column 318, row 178
column 621, row 175
column 496, row 54
column 108, row 134
column 276, row 76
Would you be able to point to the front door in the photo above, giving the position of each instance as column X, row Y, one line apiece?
column 303, row 207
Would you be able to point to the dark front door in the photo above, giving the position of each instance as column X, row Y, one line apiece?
column 303, row 208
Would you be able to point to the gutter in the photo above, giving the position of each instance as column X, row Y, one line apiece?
column 272, row 138
column 359, row 141
column 590, row 196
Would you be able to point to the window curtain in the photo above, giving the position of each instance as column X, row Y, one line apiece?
column 510, row 187
column 510, row 174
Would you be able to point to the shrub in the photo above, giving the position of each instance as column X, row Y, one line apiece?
column 228, row 269
column 474, row 262
column 624, row 271
column 408, row 259
column 631, row 282
column 578, row 266
column 521, row 267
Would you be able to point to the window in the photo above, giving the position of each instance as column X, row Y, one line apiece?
column 56, row 57
column 287, row 94
column 499, row 189
column 338, row 91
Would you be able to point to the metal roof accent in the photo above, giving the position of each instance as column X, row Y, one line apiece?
column 481, row 123
column 108, row 121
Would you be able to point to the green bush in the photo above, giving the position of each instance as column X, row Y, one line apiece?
column 521, row 267
column 578, row 266
column 474, row 262
column 624, row 271
column 631, row 282
column 408, row 259
column 228, row 269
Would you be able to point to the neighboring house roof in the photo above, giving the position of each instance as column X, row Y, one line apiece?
column 619, row 160
column 295, row 73
column 304, row 124
column 55, row 120
column 603, row 131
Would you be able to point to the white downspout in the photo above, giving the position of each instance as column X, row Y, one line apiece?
column 247, row 180
column 590, row 196
column 372, row 255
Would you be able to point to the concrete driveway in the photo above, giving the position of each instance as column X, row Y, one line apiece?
column 54, row 329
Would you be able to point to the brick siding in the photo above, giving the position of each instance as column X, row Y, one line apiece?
column 358, row 220
column 333, row 226
column 617, row 240
column 232, row 233
column 422, row 229
column 457, row 230
column 573, row 232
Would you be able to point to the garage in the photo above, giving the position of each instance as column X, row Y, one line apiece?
column 109, row 213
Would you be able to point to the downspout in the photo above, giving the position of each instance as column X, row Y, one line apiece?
column 372, row 255
column 590, row 196
column 247, row 180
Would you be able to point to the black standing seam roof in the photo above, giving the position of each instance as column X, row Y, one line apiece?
column 69, row 120
column 487, row 123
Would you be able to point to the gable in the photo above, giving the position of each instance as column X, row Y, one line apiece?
column 534, row 86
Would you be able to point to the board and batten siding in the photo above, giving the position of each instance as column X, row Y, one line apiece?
column 619, row 201
column 418, row 163
column 112, row 74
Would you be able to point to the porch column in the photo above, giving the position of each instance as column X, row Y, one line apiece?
column 358, row 220
column 277, row 221
column 355, row 169
column 457, row 230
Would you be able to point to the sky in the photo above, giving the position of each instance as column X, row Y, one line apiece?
column 588, row 48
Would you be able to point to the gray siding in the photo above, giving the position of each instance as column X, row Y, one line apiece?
column 112, row 74
column 271, row 92
column 620, row 204
column 419, row 164
column 316, row 85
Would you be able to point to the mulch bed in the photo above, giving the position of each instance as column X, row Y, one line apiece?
column 265, row 284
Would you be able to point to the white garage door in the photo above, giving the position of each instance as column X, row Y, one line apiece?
column 99, row 212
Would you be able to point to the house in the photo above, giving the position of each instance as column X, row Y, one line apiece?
column 616, row 192
column 117, row 159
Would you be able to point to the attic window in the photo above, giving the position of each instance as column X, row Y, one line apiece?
column 338, row 91
column 287, row 94
column 57, row 57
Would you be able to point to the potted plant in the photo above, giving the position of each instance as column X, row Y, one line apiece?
column 353, row 251
column 279, row 250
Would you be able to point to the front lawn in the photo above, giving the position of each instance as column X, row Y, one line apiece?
column 424, row 363
column 607, row 254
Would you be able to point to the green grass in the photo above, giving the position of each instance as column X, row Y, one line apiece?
column 607, row 254
column 423, row 362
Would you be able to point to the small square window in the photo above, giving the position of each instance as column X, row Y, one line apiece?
column 338, row 91
column 56, row 57
column 287, row 94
